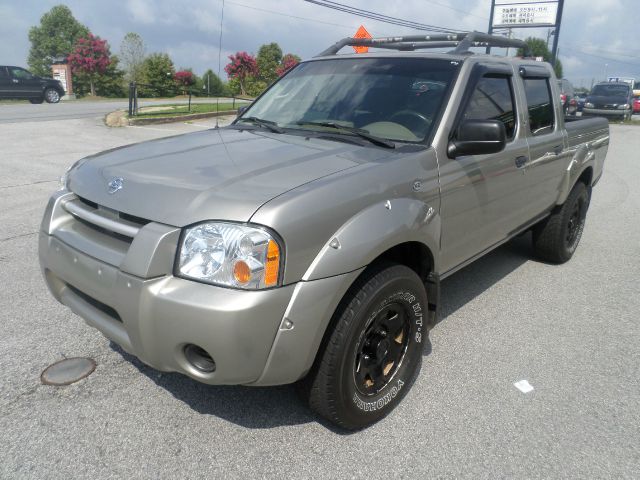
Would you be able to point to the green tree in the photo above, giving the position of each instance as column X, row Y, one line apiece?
column 54, row 38
column 157, row 73
column 252, row 87
column 539, row 48
column 211, row 84
column 109, row 84
column 269, row 58
column 132, row 52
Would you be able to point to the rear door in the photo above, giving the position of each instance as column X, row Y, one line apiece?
column 546, row 138
column 25, row 83
column 481, row 201
column 6, row 85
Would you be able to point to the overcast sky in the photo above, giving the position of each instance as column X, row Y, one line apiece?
column 598, row 37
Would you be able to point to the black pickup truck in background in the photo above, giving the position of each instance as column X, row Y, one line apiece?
column 16, row 83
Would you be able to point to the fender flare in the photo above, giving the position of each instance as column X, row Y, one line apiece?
column 375, row 230
column 583, row 158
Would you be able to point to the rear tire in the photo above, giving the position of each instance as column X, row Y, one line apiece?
column 556, row 238
column 371, row 356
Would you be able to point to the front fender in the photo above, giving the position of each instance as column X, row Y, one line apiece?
column 374, row 230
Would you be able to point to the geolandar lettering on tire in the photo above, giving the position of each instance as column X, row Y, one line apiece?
column 381, row 402
column 416, row 307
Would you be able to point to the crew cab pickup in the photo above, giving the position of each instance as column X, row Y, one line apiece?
column 306, row 242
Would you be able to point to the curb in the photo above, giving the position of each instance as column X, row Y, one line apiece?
column 119, row 118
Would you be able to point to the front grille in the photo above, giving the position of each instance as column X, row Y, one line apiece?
column 106, row 221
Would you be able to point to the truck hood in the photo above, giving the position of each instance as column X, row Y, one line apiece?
column 224, row 174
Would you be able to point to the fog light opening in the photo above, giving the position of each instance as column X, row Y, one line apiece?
column 199, row 359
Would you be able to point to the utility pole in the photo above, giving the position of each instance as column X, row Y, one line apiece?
column 550, row 32
column 208, row 91
column 554, row 51
column 490, row 30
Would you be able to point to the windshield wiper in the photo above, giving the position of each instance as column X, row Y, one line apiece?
column 268, row 124
column 381, row 142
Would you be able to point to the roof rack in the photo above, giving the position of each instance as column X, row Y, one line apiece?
column 461, row 41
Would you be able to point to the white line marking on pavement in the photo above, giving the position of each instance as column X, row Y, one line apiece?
column 524, row 386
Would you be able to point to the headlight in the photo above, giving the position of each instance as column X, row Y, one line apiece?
column 588, row 104
column 230, row 255
column 624, row 106
column 64, row 178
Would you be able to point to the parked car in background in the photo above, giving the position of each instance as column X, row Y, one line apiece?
column 16, row 83
column 581, row 98
column 567, row 97
column 636, row 102
column 609, row 99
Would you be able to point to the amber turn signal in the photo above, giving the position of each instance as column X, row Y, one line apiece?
column 272, row 265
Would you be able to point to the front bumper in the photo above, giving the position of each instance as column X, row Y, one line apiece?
column 128, row 292
column 601, row 112
column 154, row 319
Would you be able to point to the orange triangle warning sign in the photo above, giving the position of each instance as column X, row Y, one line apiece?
column 362, row 33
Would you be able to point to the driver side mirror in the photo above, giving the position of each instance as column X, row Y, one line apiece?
column 477, row 137
column 243, row 109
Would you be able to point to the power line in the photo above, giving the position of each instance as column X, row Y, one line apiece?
column 611, row 52
column 350, row 27
column 456, row 9
column 609, row 59
column 380, row 17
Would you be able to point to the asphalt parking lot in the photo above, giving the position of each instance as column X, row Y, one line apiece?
column 571, row 331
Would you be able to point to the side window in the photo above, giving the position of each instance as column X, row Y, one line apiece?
column 492, row 99
column 21, row 73
column 3, row 73
column 540, row 106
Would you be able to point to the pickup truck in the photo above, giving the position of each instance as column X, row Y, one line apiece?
column 305, row 243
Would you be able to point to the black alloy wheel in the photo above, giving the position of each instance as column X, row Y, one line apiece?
column 381, row 350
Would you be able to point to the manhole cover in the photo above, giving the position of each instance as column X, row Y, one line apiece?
column 68, row 371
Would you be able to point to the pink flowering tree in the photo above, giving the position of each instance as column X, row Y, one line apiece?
column 288, row 62
column 184, row 79
column 242, row 66
column 90, row 57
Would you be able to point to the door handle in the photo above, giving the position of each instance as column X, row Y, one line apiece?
column 557, row 149
column 521, row 160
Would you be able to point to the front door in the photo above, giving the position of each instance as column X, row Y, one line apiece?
column 480, row 194
column 24, row 83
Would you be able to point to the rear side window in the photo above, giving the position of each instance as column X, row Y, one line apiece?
column 3, row 72
column 540, row 106
column 492, row 99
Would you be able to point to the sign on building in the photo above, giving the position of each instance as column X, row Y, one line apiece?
column 532, row 14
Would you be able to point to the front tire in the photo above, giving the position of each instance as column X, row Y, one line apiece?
column 557, row 237
column 373, row 353
column 51, row 95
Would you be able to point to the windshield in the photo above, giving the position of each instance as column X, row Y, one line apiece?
column 391, row 98
column 610, row 90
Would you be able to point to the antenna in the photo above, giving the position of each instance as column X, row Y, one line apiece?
column 219, row 65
